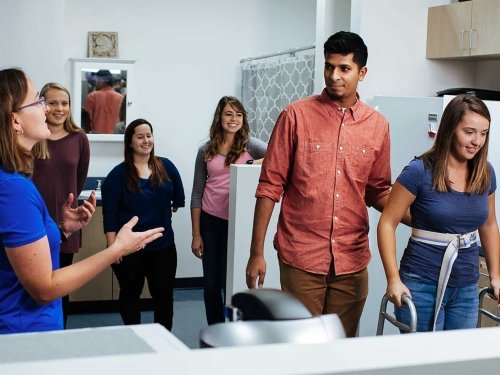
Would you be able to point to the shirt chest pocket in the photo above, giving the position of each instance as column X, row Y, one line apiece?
column 317, row 157
column 359, row 160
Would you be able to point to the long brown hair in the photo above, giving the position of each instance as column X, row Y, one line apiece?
column 437, row 156
column 158, row 172
column 216, row 133
column 13, row 90
column 41, row 150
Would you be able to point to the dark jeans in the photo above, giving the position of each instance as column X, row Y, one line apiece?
column 214, row 234
column 159, row 268
column 65, row 259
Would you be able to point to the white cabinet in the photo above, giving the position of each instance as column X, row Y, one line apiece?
column 83, row 73
column 465, row 30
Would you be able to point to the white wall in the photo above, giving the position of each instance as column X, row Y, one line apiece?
column 188, row 56
column 32, row 37
column 396, row 34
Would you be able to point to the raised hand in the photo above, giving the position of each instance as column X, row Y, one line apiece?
column 127, row 241
column 73, row 219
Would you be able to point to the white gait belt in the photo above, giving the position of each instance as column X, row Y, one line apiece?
column 453, row 243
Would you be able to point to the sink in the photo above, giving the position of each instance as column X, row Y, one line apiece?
column 85, row 194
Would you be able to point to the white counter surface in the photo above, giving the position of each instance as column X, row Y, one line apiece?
column 153, row 350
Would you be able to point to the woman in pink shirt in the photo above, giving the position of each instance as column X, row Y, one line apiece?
column 229, row 143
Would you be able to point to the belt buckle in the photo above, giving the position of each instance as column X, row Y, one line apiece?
column 466, row 240
column 473, row 236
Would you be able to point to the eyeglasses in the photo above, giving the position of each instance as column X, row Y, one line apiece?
column 40, row 101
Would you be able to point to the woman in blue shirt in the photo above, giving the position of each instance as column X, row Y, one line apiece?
column 149, row 187
column 450, row 191
column 31, row 282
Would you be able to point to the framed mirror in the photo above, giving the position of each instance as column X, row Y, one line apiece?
column 102, row 97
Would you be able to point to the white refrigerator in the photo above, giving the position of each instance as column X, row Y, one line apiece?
column 410, row 119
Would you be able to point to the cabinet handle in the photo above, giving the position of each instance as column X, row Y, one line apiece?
column 463, row 32
column 470, row 37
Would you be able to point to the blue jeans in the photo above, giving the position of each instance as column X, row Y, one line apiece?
column 459, row 309
column 214, row 234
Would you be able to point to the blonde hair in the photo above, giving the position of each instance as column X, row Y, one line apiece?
column 41, row 150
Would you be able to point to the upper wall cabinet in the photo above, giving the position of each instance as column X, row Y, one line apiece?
column 465, row 30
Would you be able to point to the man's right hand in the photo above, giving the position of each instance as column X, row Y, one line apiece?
column 256, row 271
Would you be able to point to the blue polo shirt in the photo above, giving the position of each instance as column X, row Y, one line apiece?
column 24, row 219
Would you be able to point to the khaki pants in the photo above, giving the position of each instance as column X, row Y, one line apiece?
column 344, row 295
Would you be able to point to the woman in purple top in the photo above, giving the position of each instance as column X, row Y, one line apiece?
column 61, row 164
column 229, row 143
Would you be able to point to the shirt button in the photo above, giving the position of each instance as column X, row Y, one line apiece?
column 337, row 195
column 338, row 171
column 341, row 148
column 343, row 124
column 363, row 151
column 333, row 241
column 317, row 146
column 335, row 218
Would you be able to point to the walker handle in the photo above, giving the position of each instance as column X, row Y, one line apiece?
column 406, row 300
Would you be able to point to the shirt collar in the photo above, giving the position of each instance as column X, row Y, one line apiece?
column 353, row 109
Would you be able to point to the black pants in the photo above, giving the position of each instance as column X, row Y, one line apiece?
column 159, row 268
column 214, row 234
column 65, row 259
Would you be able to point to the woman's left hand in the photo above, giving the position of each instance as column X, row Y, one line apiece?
column 73, row 219
column 495, row 285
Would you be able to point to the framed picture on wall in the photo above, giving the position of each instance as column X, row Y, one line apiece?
column 103, row 44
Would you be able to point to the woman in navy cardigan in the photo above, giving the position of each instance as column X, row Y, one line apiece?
column 149, row 187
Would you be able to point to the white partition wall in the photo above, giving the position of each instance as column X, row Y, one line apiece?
column 244, row 179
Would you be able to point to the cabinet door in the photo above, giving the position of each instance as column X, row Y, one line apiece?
column 486, row 28
column 448, row 30
column 93, row 241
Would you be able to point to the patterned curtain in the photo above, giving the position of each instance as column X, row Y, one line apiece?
column 269, row 85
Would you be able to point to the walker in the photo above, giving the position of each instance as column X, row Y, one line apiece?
column 383, row 315
column 482, row 293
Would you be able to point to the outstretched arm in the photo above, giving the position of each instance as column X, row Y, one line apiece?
column 33, row 266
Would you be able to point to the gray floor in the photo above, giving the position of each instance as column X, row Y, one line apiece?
column 189, row 317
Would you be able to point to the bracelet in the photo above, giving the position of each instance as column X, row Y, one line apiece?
column 64, row 238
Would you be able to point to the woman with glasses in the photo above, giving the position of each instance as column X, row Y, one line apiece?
column 150, row 187
column 229, row 143
column 31, row 281
column 61, row 164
